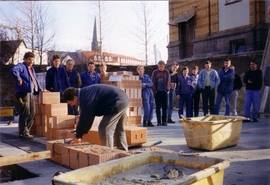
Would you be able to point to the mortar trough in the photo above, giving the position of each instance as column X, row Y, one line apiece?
column 208, row 170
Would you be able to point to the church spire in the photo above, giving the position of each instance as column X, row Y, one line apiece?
column 94, row 39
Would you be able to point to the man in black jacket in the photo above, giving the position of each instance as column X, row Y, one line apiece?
column 253, row 81
column 100, row 100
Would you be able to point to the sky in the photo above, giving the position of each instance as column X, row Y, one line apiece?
column 74, row 21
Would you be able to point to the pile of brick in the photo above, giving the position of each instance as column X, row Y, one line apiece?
column 53, row 122
column 82, row 155
column 52, row 119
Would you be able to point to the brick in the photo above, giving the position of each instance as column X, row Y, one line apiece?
column 135, row 135
column 61, row 122
column 56, row 109
column 50, row 98
column 41, row 130
column 37, row 120
column 61, row 133
column 135, row 102
column 38, row 108
column 92, row 136
column 134, row 120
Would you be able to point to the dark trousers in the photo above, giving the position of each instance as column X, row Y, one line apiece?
column 185, row 98
column 195, row 100
column 161, row 103
column 27, row 111
column 208, row 95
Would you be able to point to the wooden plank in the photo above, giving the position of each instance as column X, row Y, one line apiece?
column 9, row 160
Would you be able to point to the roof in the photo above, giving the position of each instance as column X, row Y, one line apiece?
column 8, row 49
column 182, row 18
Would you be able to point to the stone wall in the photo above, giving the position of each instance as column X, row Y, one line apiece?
column 241, row 63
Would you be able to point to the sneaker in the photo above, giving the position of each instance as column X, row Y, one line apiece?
column 255, row 120
column 170, row 120
column 246, row 121
column 26, row 136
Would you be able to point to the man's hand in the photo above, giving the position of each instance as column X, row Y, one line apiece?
column 20, row 82
column 76, row 141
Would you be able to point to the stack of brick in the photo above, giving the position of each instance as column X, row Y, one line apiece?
column 82, row 155
column 52, row 119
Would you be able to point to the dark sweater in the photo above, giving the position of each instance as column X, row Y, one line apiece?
column 99, row 100
column 255, row 77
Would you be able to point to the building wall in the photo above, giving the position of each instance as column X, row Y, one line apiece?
column 219, row 25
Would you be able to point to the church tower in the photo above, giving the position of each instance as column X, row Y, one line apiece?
column 95, row 46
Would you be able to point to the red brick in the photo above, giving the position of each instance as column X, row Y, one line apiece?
column 135, row 135
column 56, row 109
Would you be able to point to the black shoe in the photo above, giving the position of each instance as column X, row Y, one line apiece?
column 246, row 121
column 159, row 124
column 170, row 120
column 255, row 120
column 26, row 136
column 164, row 124
column 150, row 124
column 144, row 124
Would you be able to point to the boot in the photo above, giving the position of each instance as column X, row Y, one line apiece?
column 144, row 123
column 150, row 124
column 170, row 120
column 164, row 124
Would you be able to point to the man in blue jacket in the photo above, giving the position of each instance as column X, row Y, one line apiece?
column 56, row 77
column 225, row 88
column 100, row 100
column 90, row 76
column 27, row 85
column 207, row 83
column 75, row 81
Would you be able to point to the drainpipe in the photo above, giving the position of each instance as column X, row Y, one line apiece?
column 254, row 25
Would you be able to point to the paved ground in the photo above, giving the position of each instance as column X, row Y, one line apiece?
column 250, row 159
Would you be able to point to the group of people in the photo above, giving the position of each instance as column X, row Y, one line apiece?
column 85, row 92
column 78, row 90
column 164, row 85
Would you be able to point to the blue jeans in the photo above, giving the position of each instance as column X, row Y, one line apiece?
column 227, row 97
column 185, row 98
column 252, row 97
column 170, row 103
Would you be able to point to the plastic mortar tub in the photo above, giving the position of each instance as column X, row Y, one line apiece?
column 212, row 132
column 209, row 170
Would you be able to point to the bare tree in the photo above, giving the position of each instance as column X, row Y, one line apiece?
column 145, row 30
column 34, row 20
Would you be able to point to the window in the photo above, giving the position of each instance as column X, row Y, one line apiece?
column 237, row 46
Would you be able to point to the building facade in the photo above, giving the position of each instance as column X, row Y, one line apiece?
column 210, row 28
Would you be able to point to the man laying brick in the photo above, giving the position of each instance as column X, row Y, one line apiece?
column 100, row 100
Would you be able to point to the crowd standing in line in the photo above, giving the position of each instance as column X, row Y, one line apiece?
column 184, row 92
column 225, row 87
column 56, row 77
column 195, row 100
column 90, row 76
column 253, row 81
column 171, row 94
column 75, row 81
column 26, row 87
column 208, row 82
column 147, row 97
column 161, row 79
